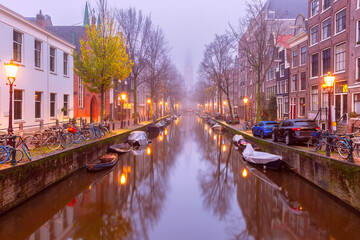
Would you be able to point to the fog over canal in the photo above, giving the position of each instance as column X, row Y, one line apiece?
column 190, row 184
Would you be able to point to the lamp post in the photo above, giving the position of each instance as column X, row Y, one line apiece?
column 328, row 85
column 11, row 70
column 149, row 102
column 122, row 99
column 245, row 103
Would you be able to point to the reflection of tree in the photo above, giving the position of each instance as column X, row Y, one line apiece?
column 102, row 221
column 215, row 186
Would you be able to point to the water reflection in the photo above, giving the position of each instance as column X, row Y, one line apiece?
column 132, row 200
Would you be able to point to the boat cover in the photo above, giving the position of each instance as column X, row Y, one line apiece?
column 218, row 127
column 258, row 157
column 138, row 136
column 237, row 138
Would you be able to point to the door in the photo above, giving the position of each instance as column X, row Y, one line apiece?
column 292, row 108
column 340, row 105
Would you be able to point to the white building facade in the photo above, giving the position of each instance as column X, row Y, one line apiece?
column 43, row 90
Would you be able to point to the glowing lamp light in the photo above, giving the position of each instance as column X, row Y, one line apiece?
column 224, row 148
column 209, row 131
column 244, row 173
column 149, row 101
column 161, row 103
column 224, row 102
column 122, row 179
column 161, row 138
column 329, row 80
column 245, row 100
column 123, row 96
column 205, row 127
column 165, row 132
column 11, row 69
column 148, row 151
column 214, row 137
column 166, row 103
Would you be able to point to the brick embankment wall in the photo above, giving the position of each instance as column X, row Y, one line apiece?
column 339, row 178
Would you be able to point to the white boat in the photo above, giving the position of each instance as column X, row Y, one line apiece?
column 138, row 138
column 218, row 127
column 261, row 158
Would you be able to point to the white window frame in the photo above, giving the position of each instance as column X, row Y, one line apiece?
column 357, row 37
column 66, row 113
column 322, row 33
column 81, row 93
column 282, row 73
column 40, row 53
column 322, row 61
column 335, row 69
column 21, row 46
column 335, row 30
column 322, row 7
column 301, row 63
column 54, row 105
column 311, row 36
column 22, row 104
column 297, row 58
column 299, row 111
column 318, row 6
column 311, row 66
column 292, row 83
column 299, row 80
column 311, row 98
column 41, row 104
column 66, row 64
column 52, row 71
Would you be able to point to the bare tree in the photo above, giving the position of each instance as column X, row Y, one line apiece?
column 256, row 35
column 136, row 27
column 158, row 64
column 217, row 65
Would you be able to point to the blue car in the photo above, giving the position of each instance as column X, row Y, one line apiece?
column 263, row 128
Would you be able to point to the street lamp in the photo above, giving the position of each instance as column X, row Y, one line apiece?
column 149, row 102
column 328, row 85
column 122, row 99
column 245, row 103
column 11, row 70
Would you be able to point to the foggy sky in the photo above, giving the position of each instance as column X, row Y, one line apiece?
column 188, row 24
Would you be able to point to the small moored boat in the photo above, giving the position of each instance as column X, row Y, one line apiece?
column 138, row 138
column 218, row 128
column 261, row 158
column 121, row 148
column 105, row 162
column 241, row 143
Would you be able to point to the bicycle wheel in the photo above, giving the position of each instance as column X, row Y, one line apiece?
column 53, row 142
column 88, row 134
column 314, row 144
column 97, row 133
column 31, row 142
column 4, row 154
column 26, row 151
column 356, row 150
column 66, row 140
column 18, row 154
column 343, row 149
column 77, row 138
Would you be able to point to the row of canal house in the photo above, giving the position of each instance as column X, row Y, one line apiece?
column 322, row 36
column 46, row 87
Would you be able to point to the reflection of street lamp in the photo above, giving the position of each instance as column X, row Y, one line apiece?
column 328, row 85
column 245, row 102
column 11, row 70
column 244, row 173
column 149, row 102
column 122, row 99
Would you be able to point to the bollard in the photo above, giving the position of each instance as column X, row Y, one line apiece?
column 41, row 125
column 21, row 129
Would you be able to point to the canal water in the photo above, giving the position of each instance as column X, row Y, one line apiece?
column 190, row 183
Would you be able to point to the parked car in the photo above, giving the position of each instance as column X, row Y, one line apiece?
column 236, row 119
column 294, row 130
column 263, row 128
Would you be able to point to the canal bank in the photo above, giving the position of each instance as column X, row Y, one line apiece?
column 339, row 178
column 21, row 182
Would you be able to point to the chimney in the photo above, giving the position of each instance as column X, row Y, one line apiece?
column 40, row 19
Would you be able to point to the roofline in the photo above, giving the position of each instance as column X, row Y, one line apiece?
column 33, row 25
column 297, row 37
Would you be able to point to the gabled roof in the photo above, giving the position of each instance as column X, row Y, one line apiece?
column 71, row 34
column 281, row 40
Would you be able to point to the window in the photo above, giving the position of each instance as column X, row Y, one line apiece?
column 357, row 103
column 358, row 32
column 271, row 73
column 325, row 99
column 357, row 78
column 314, row 98
column 314, row 65
column 18, row 102
column 326, row 4
column 66, row 64
column 52, row 59
column 326, row 29
column 282, row 70
column 314, row 35
column 286, row 103
column 38, row 104
column 286, row 86
column 303, row 55
column 37, row 54
column 314, row 7
column 340, row 21
column 66, row 105
column 294, row 83
column 81, row 93
column 52, row 104
column 295, row 58
column 303, row 81
column 326, row 62
column 17, row 46
column 340, row 61
column 302, row 107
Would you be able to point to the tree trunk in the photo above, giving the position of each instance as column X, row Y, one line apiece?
column 230, row 108
column 258, row 102
column 135, row 100
column 102, row 108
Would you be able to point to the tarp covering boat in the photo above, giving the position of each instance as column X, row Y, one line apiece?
column 218, row 127
column 138, row 138
column 120, row 148
column 258, row 157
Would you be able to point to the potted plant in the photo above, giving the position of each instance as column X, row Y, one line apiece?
column 353, row 114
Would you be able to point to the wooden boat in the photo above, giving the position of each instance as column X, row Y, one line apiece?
column 264, row 159
column 120, row 148
column 105, row 162
column 218, row 128
column 240, row 143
